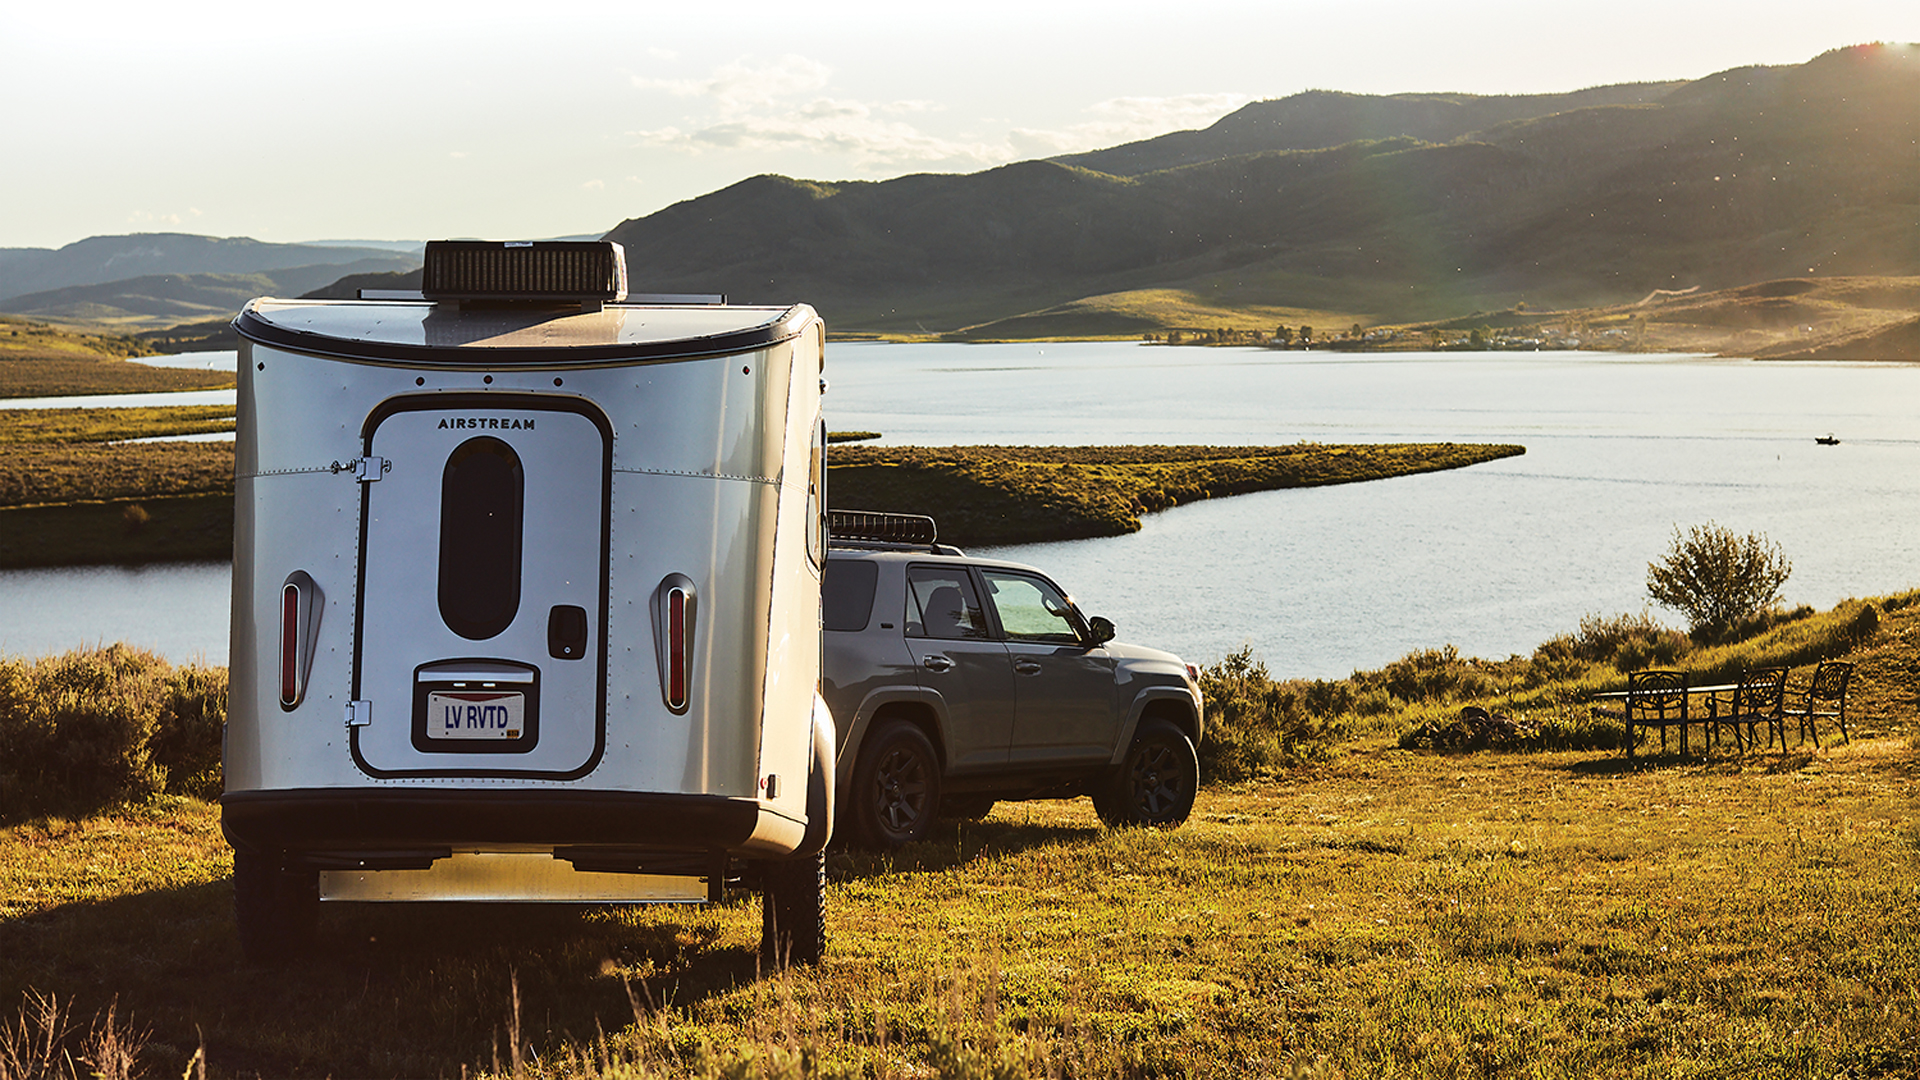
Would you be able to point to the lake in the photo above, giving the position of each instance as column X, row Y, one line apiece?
column 1493, row 559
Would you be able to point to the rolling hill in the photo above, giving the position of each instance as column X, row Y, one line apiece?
column 101, row 259
column 1363, row 208
column 165, row 300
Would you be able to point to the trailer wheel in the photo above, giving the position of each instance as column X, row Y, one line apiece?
column 793, row 911
column 276, row 908
column 896, row 788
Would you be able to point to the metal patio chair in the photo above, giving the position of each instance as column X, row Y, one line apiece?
column 1656, row 699
column 1826, row 699
column 1761, row 698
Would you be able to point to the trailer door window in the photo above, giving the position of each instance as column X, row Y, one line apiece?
column 482, row 501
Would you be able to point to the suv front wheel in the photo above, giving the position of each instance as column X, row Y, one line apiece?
column 896, row 787
column 1156, row 781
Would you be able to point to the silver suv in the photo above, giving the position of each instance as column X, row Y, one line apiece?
column 957, row 682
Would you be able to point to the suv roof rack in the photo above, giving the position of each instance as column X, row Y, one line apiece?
column 883, row 530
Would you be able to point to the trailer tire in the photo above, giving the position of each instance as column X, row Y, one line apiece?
column 275, row 907
column 793, row 912
column 896, row 788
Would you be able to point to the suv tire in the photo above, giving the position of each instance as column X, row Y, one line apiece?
column 896, row 787
column 1156, row 781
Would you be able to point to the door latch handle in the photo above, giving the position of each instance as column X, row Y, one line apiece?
column 1027, row 667
column 366, row 469
column 937, row 663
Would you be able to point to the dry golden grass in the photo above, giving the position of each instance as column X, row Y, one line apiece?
column 37, row 360
column 102, row 425
column 1394, row 913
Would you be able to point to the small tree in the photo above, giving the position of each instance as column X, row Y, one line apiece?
column 1716, row 578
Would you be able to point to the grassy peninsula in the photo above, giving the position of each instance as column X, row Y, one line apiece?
column 1027, row 494
column 1343, row 903
column 38, row 360
column 68, row 495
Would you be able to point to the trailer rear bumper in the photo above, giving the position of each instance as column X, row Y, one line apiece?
column 408, row 827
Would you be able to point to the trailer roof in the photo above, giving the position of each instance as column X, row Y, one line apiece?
column 445, row 333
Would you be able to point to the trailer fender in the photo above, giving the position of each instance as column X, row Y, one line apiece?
column 821, row 788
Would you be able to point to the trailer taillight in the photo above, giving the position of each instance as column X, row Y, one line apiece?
column 675, row 606
column 299, row 626
column 676, row 649
column 289, row 644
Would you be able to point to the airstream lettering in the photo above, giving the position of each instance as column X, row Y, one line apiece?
column 526, row 598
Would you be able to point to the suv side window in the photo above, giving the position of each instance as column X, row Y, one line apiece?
column 1031, row 609
column 941, row 604
column 846, row 593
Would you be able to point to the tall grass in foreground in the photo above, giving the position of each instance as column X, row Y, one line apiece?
column 44, row 1042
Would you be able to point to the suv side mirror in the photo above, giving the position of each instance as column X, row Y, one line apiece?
column 1102, row 628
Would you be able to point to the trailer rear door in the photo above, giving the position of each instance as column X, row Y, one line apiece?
column 480, row 643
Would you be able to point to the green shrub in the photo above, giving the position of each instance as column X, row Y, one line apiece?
column 1622, row 642
column 1256, row 725
column 1433, row 675
column 94, row 727
column 1716, row 578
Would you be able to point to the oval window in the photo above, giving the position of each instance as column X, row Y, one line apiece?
column 482, row 499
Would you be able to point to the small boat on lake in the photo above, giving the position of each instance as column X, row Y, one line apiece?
column 1827, row 440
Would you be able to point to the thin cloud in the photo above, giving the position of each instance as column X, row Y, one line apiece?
column 780, row 106
column 743, row 84
column 1126, row 119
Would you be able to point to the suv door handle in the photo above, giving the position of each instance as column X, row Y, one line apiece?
column 1027, row 667
column 937, row 663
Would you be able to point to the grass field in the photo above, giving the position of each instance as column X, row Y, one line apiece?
column 1393, row 913
column 1376, row 911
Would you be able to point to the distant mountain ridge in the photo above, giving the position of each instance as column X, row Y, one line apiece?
column 1590, row 198
column 1317, row 119
column 101, row 259
column 161, row 300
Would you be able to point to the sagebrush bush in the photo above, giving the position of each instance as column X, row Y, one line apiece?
column 94, row 727
column 1622, row 642
column 1256, row 725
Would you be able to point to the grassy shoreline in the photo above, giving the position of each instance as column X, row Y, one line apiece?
column 68, row 499
column 1374, row 910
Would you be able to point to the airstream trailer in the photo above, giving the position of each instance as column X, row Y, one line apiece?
column 526, row 598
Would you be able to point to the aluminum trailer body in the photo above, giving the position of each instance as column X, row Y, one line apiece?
column 525, row 599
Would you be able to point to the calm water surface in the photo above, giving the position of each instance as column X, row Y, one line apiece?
column 1493, row 559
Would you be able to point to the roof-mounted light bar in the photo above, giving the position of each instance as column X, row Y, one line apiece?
column 551, row 271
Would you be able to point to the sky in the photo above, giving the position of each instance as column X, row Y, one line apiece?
column 408, row 121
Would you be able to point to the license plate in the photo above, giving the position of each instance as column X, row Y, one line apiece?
column 475, row 714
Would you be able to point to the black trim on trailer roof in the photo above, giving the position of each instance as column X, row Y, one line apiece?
column 261, row 328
